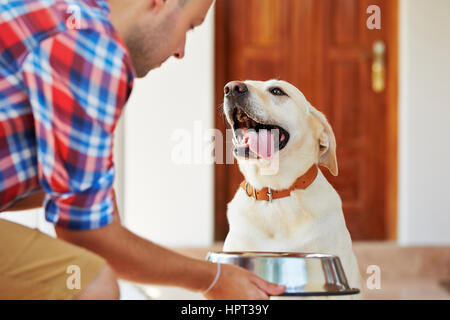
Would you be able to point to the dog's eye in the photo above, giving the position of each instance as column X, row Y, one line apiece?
column 277, row 92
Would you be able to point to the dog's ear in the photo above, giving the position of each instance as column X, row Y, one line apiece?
column 327, row 144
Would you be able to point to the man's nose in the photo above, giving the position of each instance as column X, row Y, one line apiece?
column 235, row 89
column 179, row 53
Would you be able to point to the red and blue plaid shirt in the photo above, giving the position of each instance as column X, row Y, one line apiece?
column 65, row 77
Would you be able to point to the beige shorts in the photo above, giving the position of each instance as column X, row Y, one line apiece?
column 34, row 265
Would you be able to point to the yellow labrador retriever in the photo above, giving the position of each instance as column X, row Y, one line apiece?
column 285, row 203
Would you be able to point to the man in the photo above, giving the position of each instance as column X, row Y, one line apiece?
column 66, row 71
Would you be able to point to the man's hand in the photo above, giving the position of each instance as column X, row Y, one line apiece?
column 238, row 284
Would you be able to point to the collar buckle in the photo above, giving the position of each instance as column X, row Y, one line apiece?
column 270, row 194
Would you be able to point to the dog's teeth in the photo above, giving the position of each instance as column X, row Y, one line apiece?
column 241, row 116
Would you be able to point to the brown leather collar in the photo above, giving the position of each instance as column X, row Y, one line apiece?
column 268, row 194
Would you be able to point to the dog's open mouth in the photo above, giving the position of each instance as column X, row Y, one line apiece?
column 254, row 139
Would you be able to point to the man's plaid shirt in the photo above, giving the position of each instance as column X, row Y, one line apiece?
column 65, row 77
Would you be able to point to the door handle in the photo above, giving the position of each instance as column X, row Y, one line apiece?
column 379, row 67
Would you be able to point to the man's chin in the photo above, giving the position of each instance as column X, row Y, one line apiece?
column 143, row 72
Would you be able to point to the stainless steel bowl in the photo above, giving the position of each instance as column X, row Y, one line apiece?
column 303, row 274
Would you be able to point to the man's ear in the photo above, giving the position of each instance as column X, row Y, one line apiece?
column 327, row 144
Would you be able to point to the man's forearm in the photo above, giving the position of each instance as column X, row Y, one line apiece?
column 132, row 257
column 136, row 259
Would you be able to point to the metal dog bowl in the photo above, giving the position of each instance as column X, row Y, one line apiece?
column 303, row 274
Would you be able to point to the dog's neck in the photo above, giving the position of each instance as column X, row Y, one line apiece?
column 282, row 177
column 302, row 182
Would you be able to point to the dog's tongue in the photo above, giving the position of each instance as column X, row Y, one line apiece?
column 261, row 143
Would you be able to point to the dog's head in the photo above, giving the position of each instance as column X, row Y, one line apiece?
column 273, row 120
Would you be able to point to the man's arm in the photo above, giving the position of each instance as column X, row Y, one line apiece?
column 139, row 260
column 157, row 266
column 136, row 259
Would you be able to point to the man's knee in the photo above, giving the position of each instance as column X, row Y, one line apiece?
column 103, row 287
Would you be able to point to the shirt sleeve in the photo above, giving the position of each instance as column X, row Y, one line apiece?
column 77, row 83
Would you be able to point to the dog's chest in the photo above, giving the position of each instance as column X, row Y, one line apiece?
column 296, row 223
column 308, row 221
column 284, row 224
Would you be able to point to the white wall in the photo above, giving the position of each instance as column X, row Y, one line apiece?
column 424, row 197
column 180, row 93
column 173, row 204
column 34, row 218
column 168, row 203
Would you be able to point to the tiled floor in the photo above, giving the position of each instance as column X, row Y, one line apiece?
column 406, row 272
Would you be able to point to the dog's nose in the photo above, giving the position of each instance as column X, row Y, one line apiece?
column 235, row 89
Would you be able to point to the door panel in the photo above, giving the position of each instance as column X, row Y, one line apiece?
column 325, row 49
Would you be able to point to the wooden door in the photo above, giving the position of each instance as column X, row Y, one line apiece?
column 324, row 47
